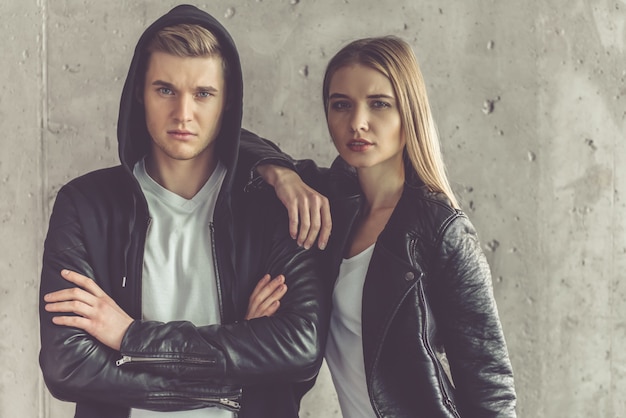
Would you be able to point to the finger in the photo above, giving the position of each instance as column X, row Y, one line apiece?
column 276, row 295
column 292, row 212
column 305, row 223
column 260, row 285
column 327, row 225
column 258, row 302
column 272, row 309
column 71, row 294
column 316, row 223
column 73, row 306
column 72, row 321
column 266, row 290
column 83, row 281
column 259, row 313
column 268, row 307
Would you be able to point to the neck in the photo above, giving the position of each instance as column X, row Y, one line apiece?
column 382, row 186
column 183, row 177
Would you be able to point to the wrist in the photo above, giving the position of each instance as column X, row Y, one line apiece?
column 274, row 174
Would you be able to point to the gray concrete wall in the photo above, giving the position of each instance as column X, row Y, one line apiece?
column 542, row 175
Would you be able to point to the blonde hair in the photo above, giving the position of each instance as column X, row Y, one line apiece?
column 187, row 40
column 395, row 59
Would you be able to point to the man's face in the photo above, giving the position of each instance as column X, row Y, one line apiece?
column 184, row 101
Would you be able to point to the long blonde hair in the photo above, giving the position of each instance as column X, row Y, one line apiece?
column 395, row 59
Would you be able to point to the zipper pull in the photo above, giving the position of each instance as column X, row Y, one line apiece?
column 230, row 403
column 123, row 360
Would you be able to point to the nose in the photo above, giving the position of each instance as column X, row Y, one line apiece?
column 183, row 111
column 359, row 119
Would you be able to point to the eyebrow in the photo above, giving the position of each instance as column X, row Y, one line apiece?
column 170, row 86
column 371, row 96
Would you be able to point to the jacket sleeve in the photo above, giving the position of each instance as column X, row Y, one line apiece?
column 78, row 368
column 472, row 335
column 254, row 151
column 286, row 347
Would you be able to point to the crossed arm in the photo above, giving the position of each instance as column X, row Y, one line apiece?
column 74, row 318
column 97, row 313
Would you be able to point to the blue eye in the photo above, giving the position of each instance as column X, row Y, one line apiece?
column 204, row 94
column 379, row 104
column 165, row 90
column 340, row 105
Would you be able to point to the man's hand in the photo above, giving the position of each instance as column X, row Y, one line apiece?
column 306, row 208
column 98, row 314
column 265, row 298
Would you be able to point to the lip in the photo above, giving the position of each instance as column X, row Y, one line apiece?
column 181, row 134
column 359, row 144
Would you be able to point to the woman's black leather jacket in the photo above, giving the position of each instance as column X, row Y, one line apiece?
column 427, row 295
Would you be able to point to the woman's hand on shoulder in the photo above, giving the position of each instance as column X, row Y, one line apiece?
column 308, row 210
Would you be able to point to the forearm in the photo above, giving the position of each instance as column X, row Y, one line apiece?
column 77, row 368
column 284, row 347
column 471, row 328
column 255, row 151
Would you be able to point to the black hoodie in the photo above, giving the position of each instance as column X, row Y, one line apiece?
column 260, row 368
column 133, row 137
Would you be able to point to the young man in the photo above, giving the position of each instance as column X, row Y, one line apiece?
column 175, row 248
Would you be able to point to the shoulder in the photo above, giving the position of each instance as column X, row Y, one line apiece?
column 96, row 181
column 427, row 214
column 100, row 187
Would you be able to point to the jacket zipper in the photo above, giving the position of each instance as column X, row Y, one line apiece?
column 130, row 359
column 218, row 281
column 139, row 278
column 139, row 266
column 447, row 401
column 228, row 403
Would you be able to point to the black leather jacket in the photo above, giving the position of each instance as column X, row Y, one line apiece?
column 98, row 227
column 427, row 292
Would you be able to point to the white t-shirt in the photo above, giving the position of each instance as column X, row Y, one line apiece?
column 344, row 349
column 179, row 280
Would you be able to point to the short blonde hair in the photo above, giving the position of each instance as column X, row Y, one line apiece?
column 395, row 59
column 187, row 40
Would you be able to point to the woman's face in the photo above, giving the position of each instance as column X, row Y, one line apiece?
column 363, row 117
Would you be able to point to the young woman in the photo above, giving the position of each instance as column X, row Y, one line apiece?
column 414, row 328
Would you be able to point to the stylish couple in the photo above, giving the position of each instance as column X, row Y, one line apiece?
column 173, row 285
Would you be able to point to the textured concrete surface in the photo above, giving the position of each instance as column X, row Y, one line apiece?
column 530, row 100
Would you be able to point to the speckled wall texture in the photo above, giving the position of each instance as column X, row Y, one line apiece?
column 530, row 101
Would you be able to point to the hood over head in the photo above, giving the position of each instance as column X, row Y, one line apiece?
column 132, row 134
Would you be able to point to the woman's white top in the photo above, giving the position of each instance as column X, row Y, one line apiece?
column 344, row 349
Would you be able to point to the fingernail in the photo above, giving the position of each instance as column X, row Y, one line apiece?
column 65, row 272
column 322, row 245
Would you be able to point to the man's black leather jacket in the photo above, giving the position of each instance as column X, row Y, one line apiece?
column 98, row 228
